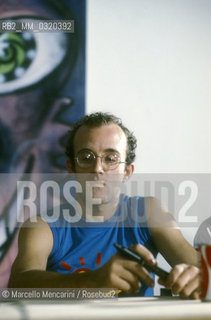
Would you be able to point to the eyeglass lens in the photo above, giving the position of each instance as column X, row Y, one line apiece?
column 87, row 159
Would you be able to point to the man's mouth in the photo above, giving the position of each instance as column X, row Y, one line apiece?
column 98, row 184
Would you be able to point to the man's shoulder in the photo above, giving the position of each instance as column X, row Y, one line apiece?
column 35, row 234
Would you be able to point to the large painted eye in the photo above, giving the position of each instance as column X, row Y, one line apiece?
column 26, row 58
column 17, row 52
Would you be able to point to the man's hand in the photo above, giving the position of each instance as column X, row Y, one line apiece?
column 183, row 280
column 124, row 274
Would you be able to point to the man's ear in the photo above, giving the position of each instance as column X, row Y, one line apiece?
column 69, row 166
column 129, row 169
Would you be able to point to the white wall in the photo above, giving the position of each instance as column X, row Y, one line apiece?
column 149, row 61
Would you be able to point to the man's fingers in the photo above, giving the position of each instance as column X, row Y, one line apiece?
column 174, row 275
column 183, row 280
column 139, row 271
column 144, row 253
column 127, row 282
column 132, row 279
column 137, row 268
column 195, row 295
column 131, row 272
column 190, row 290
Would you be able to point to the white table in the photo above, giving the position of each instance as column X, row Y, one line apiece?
column 121, row 308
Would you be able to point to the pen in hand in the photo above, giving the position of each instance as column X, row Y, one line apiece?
column 162, row 274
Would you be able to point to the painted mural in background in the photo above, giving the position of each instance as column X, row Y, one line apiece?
column 42, row 92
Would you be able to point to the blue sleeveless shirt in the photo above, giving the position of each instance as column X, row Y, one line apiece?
column 82, row 246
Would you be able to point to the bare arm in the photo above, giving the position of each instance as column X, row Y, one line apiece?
column 29, row 268
column 184, row 276
column 35, row 245
column 168, row 237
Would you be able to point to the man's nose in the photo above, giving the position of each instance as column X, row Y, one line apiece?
column 98, row 165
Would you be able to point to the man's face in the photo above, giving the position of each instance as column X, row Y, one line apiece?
column 105, row 182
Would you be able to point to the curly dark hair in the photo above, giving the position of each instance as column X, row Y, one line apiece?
column 99, row 119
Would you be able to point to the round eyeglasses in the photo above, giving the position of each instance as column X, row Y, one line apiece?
column 86, row 159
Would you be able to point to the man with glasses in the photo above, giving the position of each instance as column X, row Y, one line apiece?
column 80, row 253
